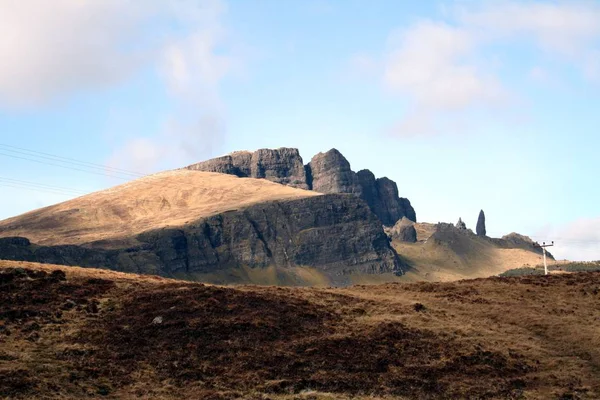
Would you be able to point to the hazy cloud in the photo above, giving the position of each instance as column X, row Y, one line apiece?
column 443, row 70
column 53, row 49
column 138, row 155
column 431, row 64
column 578, row 240
column 569, row 28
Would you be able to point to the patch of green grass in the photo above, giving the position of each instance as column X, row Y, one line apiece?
column 581, row 266
column 575, row 266
column 522, row 272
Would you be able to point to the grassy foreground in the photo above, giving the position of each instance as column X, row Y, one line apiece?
column 69, row 332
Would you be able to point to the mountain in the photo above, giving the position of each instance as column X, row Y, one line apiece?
column 260, row 217
column 72, row 333
column 210, row 226
column 327, row 172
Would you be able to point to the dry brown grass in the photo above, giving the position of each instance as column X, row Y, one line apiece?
column 170, row 198
column 438, row 262
column 90, row 334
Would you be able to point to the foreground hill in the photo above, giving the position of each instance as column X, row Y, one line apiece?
column 207, row 226
column 84, row 333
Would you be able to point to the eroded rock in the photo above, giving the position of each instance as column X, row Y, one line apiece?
column 480, row 228
column 283, row 165
column 404, row 230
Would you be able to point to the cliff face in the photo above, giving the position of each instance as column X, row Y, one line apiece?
column 382, row 196
column 331, row 173
column 284, row 166
column 327, row 172
column 337, row 234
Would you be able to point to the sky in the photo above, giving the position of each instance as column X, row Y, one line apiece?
column 467, row 105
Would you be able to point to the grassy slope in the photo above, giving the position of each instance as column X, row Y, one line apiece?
column 91, row 333
column 170, row 198
column 472, row 258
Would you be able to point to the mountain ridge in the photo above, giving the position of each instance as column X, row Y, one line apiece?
column 327, row 172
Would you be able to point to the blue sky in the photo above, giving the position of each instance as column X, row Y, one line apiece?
column 465, row 104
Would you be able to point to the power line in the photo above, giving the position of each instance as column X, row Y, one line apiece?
column 67, row 160
column 53, row 191
column 40, row 185
column 77, row 165
column 63, row 166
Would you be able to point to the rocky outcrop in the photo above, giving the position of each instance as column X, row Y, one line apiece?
column 480, row 228
column 331, row 173
column 404, row 231
column 283, row 165
column 518, row 241
column 460, row 225
column 382, row 196
column 334, row 233
column 327, row 172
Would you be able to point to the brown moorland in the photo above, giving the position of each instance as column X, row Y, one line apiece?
column 68, row 332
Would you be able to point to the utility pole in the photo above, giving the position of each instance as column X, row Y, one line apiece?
column 543, row 246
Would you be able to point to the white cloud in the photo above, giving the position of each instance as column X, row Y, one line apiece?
column 446, row 70
column 139, row 155
column 179, row 143
column 51, row 50
column 432, row 64
column 562, row 27
column 578, row 240
column 569, row 30
column 429, row 65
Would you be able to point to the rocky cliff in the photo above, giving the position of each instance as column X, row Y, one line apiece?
column 337, row 234
column 331, row 173
column 282, row 166
column 328, row 172
column 382, row 196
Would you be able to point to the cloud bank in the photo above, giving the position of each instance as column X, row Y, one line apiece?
column 445, row 70
column 578, row 240
column 51, row 50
